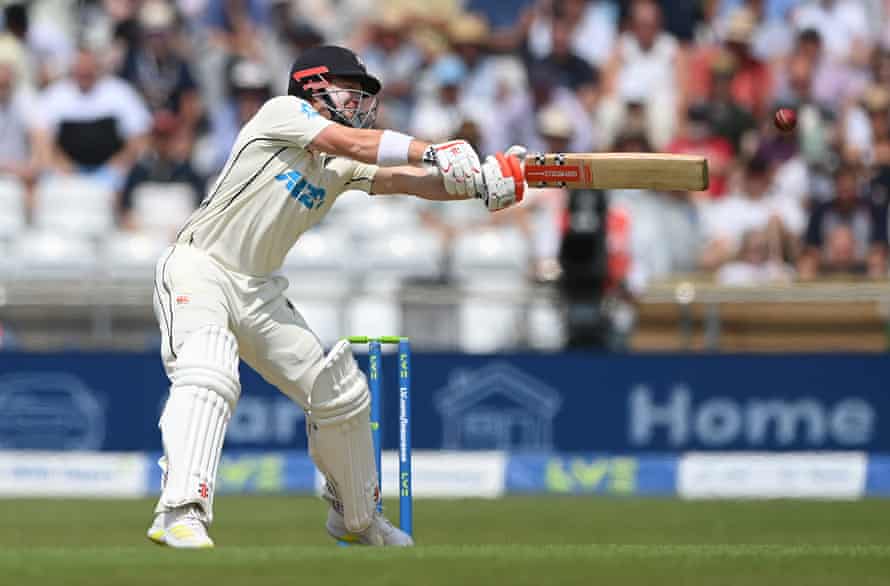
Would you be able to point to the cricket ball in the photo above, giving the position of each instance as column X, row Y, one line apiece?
column 786, row 119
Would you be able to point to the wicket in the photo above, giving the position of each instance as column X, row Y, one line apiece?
column 375, row 377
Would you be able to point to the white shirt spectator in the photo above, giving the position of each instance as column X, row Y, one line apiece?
column 839, row 22
column 111, row 97
column 730, row 218
column 646, row 73
column 593, row 38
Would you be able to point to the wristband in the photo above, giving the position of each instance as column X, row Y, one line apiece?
column 393, row 148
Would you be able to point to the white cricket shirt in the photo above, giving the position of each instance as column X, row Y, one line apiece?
column 272, row 189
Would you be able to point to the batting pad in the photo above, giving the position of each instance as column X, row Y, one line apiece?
column 204, row 393
column 340, row 436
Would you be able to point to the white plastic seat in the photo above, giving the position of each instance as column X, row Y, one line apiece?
column 491, row 267
column 51, row 255
column 379, row 215
column 162, row 207
column 12, row 207
column 320, row 261
column 390, row 259
column 132, row 255
column 74, row 205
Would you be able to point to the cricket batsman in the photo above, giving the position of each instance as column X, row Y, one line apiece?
column 218, row 299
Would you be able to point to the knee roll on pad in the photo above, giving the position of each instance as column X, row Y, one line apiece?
column 340, row 440
column 203, row 395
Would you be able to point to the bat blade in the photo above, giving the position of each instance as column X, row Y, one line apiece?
column 617, row 171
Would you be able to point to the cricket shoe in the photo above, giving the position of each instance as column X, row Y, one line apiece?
column 380, row 532
column 181, row 528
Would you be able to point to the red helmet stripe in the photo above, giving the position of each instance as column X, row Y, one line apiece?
column 298, row 75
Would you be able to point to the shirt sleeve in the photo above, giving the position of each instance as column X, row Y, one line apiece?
column 289, row 119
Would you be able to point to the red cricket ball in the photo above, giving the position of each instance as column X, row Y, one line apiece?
column 786, row 119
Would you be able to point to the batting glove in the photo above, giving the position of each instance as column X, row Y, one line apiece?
column 459, row 166
column 504, row 180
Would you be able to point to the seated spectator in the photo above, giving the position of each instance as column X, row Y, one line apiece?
column 157, row 69
column 833, row 82
column 843, row 24
column 166, row 162
column 867, row 128
column 646, row 67
column 755, row 206
column 574, row 72
column 815, row 121
column 16, row 152
column 249, row 87
column 492, row 80
column 846, row 234
column 513, row 122
column 437, row 116
column 592, row 26
column 753, row 265
column 729, row 119
column 91, row 123
column 396, row 60
column 699, row 139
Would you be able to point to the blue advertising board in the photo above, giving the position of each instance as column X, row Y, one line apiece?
column 516, row 402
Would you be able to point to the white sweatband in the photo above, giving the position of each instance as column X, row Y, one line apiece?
column 393, row 148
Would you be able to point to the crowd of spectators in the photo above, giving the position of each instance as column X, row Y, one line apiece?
column 129, row 92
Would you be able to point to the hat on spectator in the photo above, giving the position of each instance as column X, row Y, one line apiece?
column 876, row 98
column 468, row 29
column 553, row 122
column 740, row 27
column 156, row 15
column 389, row 20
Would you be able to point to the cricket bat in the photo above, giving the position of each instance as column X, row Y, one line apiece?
column 617, row 171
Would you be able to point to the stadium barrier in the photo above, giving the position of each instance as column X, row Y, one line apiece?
column 828, row 475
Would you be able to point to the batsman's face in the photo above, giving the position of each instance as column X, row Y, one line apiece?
column 349, row 100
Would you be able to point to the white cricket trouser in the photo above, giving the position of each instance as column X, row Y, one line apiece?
column 192, row 291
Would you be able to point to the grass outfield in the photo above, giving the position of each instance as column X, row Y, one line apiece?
column 534, row 541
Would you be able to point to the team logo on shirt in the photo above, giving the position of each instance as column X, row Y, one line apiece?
column 301, row 190
column 308, row 110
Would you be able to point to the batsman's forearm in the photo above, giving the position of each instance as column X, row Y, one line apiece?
column 423, row 182
column 361, row 144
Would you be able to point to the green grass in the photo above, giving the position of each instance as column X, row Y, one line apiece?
column 534, row 541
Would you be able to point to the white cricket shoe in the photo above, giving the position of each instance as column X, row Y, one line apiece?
column 380, row 532
column 180, row 528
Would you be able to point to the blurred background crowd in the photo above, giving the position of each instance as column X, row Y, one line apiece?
column 116, row 115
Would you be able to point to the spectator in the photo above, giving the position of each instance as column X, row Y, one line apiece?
column 833, row 83
column 165, row 162
column 249, row 86
column 157, row 68
column 17, row 157
column 772, row 37
column 13, row 48
column 755, row 206
column 436, row 117
column 237, row 26
column 842, row 24
column 91, row 123
column 815, row 121
column 753, row 265
column 867, row 128
column 698, row 139
column 574, row 72
column 752, row 84
column 511, row 122
column 647, row 67
column 492, row 80
column 846, row 234
column 590, row 27
column 729, row 119
column 394, row 58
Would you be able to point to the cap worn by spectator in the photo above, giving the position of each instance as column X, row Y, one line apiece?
column 449, row 71
column 156, row 16
column 553, row 123
column 876, row 99
column 740, row 28
column 468, row 29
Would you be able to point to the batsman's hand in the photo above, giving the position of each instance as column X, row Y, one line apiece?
column 459, row 166
column 504, row 175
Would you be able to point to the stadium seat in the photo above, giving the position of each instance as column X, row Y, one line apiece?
column 491, row 266
column 132, row 255
column 74, row 205
column 12, row 207
column 388, row 260
column 53, row 255
column 162, row 207
column 378, row 216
